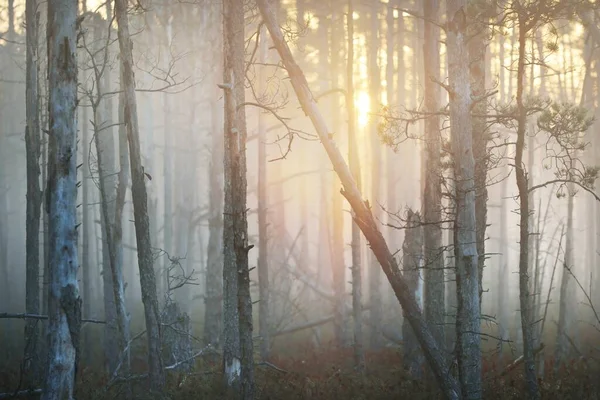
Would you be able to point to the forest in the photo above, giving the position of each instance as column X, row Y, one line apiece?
column 361, row 199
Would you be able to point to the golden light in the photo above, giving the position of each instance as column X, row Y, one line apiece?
column 363, row 107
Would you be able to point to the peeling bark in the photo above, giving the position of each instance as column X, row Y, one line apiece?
column 64, row 303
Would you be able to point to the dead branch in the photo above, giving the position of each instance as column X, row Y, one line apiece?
column 42, row 317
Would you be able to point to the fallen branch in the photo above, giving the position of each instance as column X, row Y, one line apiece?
column 22, row 393
column 178, row 363
column 299, row 328
column 510, row 367
column 268, row 364
column 42, row 317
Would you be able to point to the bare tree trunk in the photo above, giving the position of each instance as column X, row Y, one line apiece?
column 353, row 157
column 338, row 264
column 86, row 223
column 34, row 196
column 432, row 197
column 140, row 204
column 412, row 253
column 521, row 178
column 111, row 205
column 477, row 52
column 364, row 217
column 263, row 234
column 375, row 307
column 64, row 303
column 465, row 248
column 213, row 314
column 238, row 350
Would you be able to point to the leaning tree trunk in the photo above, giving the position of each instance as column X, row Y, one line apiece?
column 432, row 206
column 140, row 204
column 238, row 349
column 364, row 217
column 353, row 159
column 465, row 247
column 111, row 207
column 522, row 186
column 32, row 364
column 64, row 303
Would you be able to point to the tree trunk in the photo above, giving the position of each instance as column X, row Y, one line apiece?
column 213, row 313
column 465, row 248
column 263, row 235
column 338, row 265
column 432, row 197
column 140, row 204
column 477, row 52
column 111, row 209
column 34, row 196
column 521, row 178
column 412, row 253
column 238, row 350
column 375, row 307
column 353, row 159
column 364, row 217
column 64, row 303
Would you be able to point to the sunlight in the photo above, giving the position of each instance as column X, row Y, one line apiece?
column 363, row 107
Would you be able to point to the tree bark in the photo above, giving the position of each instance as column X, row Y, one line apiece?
column 34, row 195
column 375, row 310
column 465, row 248
column 213, row 314
column 364, row 217
column 522, row 186
column 64, row 303
column 338, row 264
column 263, row 234
column 412, row 253
column 432, row 207
column 477, row 52
column 140, row 204
column 238, row 349
column 353, row 160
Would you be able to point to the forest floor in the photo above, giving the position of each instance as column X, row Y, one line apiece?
column 325, row 374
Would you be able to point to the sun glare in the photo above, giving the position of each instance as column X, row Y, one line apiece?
column 363, row 107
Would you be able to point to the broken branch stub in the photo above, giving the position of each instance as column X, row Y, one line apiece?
column 363, row 215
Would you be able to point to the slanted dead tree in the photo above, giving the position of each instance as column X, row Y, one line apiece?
column 140, row 203
column 363, row 216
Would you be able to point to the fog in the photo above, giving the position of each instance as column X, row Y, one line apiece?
column 178, row 65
